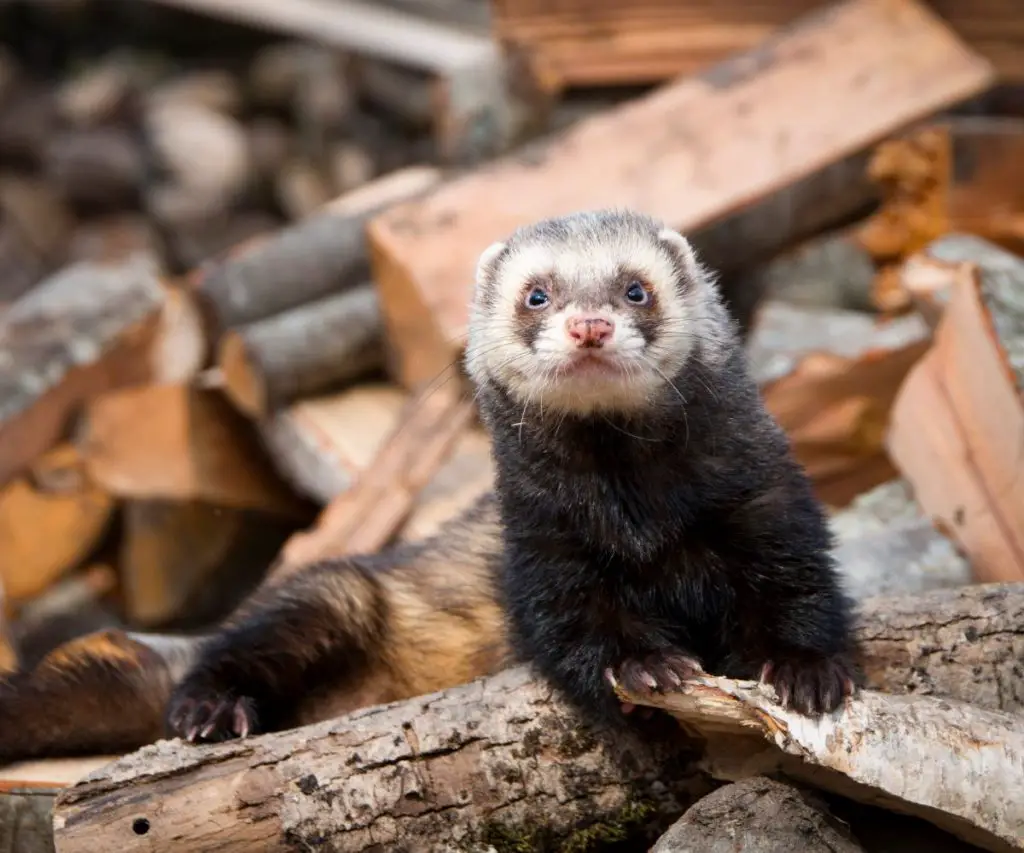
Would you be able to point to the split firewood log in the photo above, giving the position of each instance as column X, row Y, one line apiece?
column 956, row 424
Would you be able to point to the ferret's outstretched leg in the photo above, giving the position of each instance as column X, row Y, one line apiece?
column 343, row 634
column 323, row 625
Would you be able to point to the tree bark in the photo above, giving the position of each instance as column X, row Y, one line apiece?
column 953, row 764
column 310, row 260
column 496, row 757
column 757, row 815
column 85, row 330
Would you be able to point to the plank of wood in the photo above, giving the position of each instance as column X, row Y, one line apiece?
column 87, row 329
column 861, row 70
column 47, row 529
column 27, row 794
column 604, row 43
column 365, row 517
column 571, row 44
column 179, row 442
column 322, row 444
column 510, row 731
column 956, row 424
column 467, row 474
column 317, row 347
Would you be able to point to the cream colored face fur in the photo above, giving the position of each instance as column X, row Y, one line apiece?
column 585, row 262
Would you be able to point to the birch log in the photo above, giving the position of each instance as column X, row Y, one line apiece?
column 501, row 756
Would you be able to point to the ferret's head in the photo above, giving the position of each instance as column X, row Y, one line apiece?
column 591, row 312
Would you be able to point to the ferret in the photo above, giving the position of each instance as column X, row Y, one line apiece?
column 647, row 523
column 655, row 524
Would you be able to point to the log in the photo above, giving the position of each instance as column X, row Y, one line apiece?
column 180, row 347
column 316, row 347
column 322, row 444
column 708, row 133
column 301, row 188
column 113, row 239
column 983, row 197
column 307, row 261
column 501, row 757
column 835, row 411
column 951, row 763
column 102, row 166
column 87, row 329
column 40, row 216
column 956, row 424
column 758, row 815
column 179, row 442
column 403, row 93
column 362, row 519
column 48, row 528
column 21, row 268
column 176, row 130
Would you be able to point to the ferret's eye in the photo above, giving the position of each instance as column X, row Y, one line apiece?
column 637, row 293
column 537, row 298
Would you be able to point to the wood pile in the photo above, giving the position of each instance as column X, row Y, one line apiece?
column 218, row 367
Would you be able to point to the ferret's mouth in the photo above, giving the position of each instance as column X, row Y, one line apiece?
column 591, row 363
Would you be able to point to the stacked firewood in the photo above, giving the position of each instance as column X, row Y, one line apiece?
column 235, row 296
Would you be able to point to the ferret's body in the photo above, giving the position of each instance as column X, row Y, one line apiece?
column 654, row 520
column 647, row 520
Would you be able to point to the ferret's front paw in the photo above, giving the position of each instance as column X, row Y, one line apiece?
column 202, row 714
column 655, row 673
column 811, row 686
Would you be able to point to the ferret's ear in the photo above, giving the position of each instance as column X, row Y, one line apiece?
column 488, row 260
column 681, row 248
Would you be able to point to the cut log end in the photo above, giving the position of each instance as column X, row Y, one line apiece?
column 242, row 382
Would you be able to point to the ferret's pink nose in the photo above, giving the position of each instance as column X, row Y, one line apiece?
column 588, row 330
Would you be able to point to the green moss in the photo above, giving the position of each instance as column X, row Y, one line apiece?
column 612, row 831
column 512, row 839
column 591, row 839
